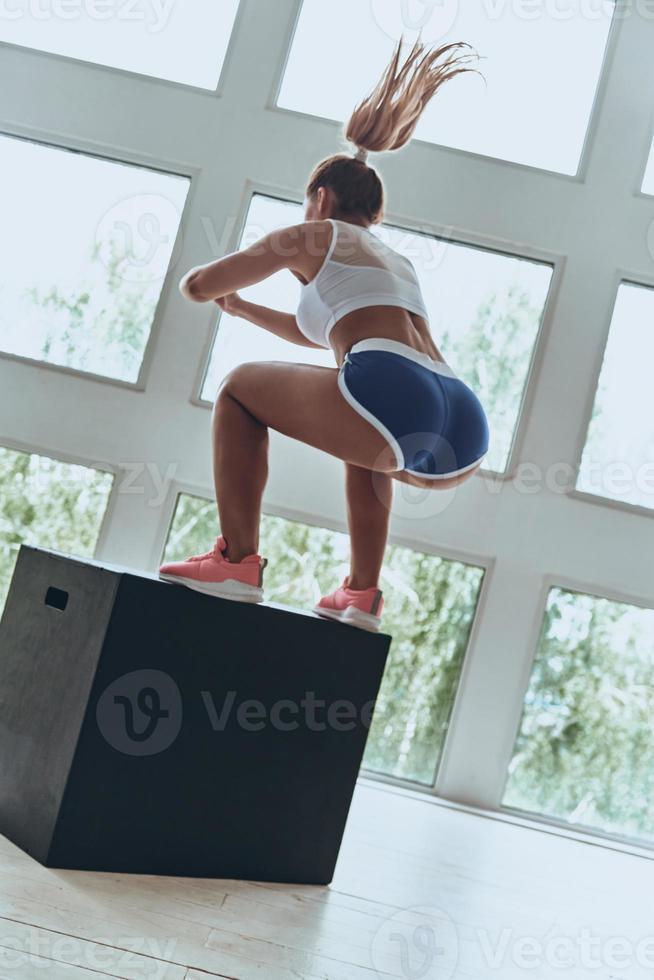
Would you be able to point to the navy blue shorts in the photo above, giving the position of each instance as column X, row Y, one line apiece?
column 433, row 421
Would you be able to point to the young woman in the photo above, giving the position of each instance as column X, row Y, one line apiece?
column 391, row 409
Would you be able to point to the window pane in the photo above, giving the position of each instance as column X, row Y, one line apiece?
column 618, row 460
column 527, row 113
column 182, row 42
column 586, row 745
column 48, row 504
column 84, row 247
column 430, row 604
column 648, row 183
column 485, row 307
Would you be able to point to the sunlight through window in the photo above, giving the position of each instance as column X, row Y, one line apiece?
column 618, row 459
column 585, row 748
column 48, row 504
column 542, row 67
column 180, row 42
column 86, row 246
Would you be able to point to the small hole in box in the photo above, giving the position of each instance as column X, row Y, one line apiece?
column 56, row 598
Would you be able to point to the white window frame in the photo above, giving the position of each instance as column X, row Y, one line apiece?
column 525, row 541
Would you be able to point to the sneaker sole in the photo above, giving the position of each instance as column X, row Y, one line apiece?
column 230, row 589
column 352, row 617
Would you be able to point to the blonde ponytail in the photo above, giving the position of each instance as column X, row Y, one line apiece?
column 387, row 118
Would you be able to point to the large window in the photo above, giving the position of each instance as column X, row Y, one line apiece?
column 485, row 311
column 430, row 604
column 585, row 749
column 533, row 110
column 182, row 42
column 84, row 250
column 618, row 460
column 49, row 504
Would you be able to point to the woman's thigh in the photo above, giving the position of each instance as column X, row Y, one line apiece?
column 303, row 401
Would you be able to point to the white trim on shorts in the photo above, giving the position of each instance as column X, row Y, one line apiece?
column 446, row 476
column 396, row 347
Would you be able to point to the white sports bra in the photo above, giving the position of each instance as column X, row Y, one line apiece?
column 359, row 270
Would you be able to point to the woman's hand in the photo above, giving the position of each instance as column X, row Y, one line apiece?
column 232, row 303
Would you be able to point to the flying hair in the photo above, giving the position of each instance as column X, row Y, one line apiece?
column 386, row 119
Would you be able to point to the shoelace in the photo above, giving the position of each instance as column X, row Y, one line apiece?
column 209, row 554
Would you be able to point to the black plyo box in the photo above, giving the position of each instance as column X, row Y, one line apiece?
column 151, row 729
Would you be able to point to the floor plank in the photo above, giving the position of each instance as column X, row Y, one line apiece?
column 25, row 949
column 420, row 890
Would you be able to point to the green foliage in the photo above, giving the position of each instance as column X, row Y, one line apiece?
column 493, row 358
column 430, row 603
column 49, row 504
column 103, row 325
column 586, row 743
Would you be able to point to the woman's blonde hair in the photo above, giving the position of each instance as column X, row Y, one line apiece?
column 386, row 120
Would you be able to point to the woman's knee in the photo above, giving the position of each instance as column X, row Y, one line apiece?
column 235, row 380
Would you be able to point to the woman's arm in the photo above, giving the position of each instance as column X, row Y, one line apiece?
column 283, row 325
column 281, row 249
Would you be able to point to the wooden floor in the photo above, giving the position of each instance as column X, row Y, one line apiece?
column 422, row 891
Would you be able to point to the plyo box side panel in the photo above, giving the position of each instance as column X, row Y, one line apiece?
column 48, row 657
column 241, row 800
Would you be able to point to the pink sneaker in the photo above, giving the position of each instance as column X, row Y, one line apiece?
column 215, row 575
column 357, row 607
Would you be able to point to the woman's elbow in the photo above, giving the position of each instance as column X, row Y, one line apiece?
column 191, row 287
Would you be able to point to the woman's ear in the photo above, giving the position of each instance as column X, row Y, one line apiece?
column 325, row 201
column 320, row 202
